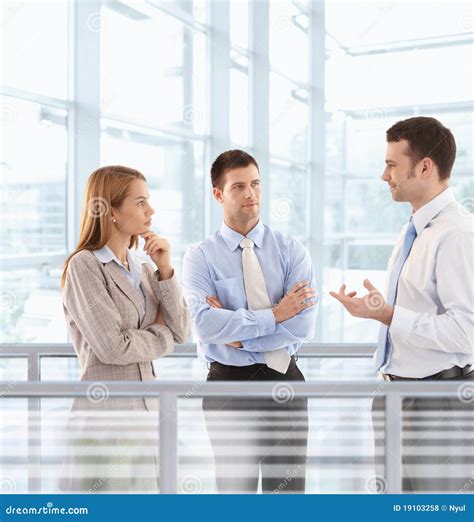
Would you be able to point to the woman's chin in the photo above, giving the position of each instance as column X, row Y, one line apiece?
column 143, row 230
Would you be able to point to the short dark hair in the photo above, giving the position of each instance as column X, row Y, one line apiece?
column 228, row 160
column 427, row 138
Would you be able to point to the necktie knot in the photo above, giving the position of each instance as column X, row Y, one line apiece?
column 246, row 243
column 411, row 230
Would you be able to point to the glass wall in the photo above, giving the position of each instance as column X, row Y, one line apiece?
column 385, row 61
column 33, row 169
column 155, row 95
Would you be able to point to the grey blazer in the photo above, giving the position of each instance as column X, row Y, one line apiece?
column 102, row 312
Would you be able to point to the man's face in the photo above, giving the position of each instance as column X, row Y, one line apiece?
column 240, row 193
column 399, row 173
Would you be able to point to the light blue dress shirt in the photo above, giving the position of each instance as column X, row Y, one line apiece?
column 214, row 267
column 134, row 275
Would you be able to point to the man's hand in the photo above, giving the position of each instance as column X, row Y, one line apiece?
column 237, row 344
column 215, row 303
column 299, row 297
column 371, row 306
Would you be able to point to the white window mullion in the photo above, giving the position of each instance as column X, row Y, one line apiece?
column 84, row 119
column 219, row 51
column 317, row 145
column 260, row 94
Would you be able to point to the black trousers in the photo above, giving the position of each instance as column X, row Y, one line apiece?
column 438, row 442
column 250, row 436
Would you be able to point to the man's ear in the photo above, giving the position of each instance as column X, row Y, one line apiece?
column 427, row 167
column 218, row 194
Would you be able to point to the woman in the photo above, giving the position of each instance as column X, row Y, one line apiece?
column 121, row 314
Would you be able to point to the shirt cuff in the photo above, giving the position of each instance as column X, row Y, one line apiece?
column 403, row 321
column 266, row 321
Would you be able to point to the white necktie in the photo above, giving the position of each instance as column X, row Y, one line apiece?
column 257, row 299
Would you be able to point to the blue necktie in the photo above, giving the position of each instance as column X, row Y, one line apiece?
column 383, row 345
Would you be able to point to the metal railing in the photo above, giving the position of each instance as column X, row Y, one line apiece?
column 169, row 392
column 35, row 352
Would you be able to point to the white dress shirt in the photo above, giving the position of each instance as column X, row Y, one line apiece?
column 433, row 322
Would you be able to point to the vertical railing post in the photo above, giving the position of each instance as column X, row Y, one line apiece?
column 168, row 433
column 34, row 428
column 393, row 442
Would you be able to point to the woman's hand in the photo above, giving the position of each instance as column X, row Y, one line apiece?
column 158, row 248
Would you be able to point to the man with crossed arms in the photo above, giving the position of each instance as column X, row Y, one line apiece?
column 251, row 295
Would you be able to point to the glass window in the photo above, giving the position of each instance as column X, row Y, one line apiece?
column 239, row 23
column 239, row 106
column 60, row 369
column 288, row 119
column 174, row 171
column 369, row 209
column 369, row 23
column 35, row 46
column 288, row 200
column 200, row 10
column 383, row 80
column 289, row 40
column 33, row 216
column 15, row 369
column 360, row 214
column 153, row 70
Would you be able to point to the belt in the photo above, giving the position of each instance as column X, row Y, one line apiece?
column 450, row 373
column 216, row 363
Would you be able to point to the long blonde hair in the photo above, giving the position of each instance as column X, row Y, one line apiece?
column 107, row 187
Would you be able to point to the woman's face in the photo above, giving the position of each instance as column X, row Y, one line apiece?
column 134, row 215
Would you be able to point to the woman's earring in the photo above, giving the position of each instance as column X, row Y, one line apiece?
column 115, row 221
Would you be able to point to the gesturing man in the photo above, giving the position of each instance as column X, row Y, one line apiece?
column 427, row 318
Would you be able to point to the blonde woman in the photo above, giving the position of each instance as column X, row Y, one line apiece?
column 121, row 314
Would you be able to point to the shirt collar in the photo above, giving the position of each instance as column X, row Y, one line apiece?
column 105, row 255
column 427, row 212
column 233, row 238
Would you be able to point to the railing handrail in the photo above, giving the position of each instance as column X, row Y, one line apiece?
column 203, row 388
column 170, row 391
column 188, row 350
